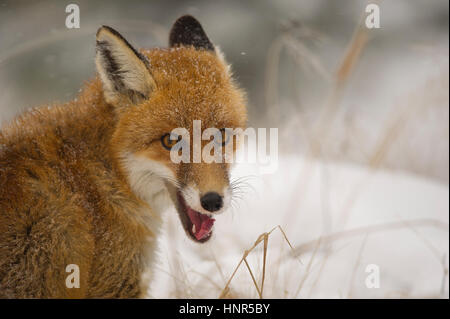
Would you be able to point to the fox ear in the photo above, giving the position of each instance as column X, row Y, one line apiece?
column 187, row 31
column 123, row 71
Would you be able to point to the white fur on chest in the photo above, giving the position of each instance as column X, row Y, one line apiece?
column 147, row 181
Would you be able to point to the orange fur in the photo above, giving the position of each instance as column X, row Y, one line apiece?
column 65, row 196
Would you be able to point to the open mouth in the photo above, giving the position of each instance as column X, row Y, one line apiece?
column 197, row 225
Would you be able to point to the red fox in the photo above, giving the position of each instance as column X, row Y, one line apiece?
column 86, row 182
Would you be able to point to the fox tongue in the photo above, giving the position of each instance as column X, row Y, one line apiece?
column 202, row 223
column 205, row 227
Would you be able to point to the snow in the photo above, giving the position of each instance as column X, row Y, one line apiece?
column 309, row 198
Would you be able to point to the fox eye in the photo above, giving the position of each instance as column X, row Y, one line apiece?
column 169, row 140
column 225, row 136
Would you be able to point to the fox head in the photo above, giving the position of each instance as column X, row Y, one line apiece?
column 156, row 91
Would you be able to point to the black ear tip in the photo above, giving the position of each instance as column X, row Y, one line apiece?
column 187, row 19
column 188, row 31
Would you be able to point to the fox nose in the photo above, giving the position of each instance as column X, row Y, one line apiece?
column 211, row 201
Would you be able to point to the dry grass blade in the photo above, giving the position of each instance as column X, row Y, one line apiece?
column 302, row 54
column 319, row 274
column 355, row 268
column 422, row 222
column 284, row 235
column 347, row 65
column 302, row 57
column 308, row 267
column 253, row 278
column 266, row 242
column 226, row 289
column 353, row 53
column 264, row 237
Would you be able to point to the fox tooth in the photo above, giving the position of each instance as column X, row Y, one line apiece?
column 193, row 229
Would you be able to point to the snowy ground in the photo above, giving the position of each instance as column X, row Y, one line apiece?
column 400, row 223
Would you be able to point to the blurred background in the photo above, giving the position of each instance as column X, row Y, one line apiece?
column 363, row 120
